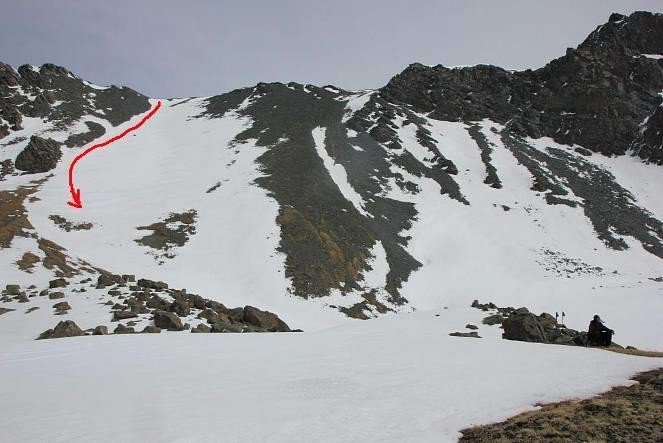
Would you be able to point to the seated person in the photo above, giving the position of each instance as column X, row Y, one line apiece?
column 598, row 333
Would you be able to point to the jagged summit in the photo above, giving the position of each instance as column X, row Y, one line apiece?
column 597, row 96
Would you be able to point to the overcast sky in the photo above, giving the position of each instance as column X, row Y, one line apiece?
column 166, row 48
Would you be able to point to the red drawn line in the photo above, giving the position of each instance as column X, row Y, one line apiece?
column 76, row 193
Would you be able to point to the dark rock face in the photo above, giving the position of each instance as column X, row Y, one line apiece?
column 63, row 329
column 40, row 155
column 596, row 95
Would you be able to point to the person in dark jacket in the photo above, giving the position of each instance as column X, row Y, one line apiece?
column 598, row 333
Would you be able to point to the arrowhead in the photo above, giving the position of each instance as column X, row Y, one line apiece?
column 76, row 199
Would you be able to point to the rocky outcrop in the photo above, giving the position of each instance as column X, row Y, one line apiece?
column 603, row 90
column 40, row 155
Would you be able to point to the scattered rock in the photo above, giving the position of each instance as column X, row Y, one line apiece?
column 57, row 283
column 157, row 285
column 469, row 326
column 100, row 330
column 224, row 326
column 65, row 328
column 5, row 310
column 55, row 295
column 472, row 334
column 495, row 319
column 180, row 307
column 123, row 315
column 121, row 329
column 62, row 306
column 156, row 302
column 201, row 328
column 12, row 290
column 168, row 320
column 32, row 309
column 264, row 319
column 151, row 330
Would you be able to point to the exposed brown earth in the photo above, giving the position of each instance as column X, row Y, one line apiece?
column 624, row 414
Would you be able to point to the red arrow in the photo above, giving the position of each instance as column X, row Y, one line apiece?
column 76, row 192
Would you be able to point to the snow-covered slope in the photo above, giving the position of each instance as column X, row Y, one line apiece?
column 326, row 206
column 388, row 380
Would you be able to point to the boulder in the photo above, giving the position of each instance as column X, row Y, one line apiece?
column 226, row 326
column 55, row 295
column 236, row 314
column 121, row 329
column 151, row 330
column 157, row 285
column 168, row 320
column 123, row 315
column 63, row 329
column 216, row 306
column 524, row 327
column 264, row 319
column 137, row 307
column 12, row 289
column 40, row 155
column 201, row 328
column 128, row 277
column 209, row 315
column 180, row 307
column 156, row 302
column 197, row 301
column 495, row 319
column 472, row 334
column 57, row 283
column 100, row 330
column 62, row 306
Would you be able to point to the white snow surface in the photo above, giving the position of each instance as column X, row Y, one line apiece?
column 398, row 378
column 337, row 172
column 389, row 380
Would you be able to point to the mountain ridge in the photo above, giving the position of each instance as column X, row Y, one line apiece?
column 365, row 195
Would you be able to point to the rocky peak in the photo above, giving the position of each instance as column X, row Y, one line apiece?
column 638, row 33
column 597, row 95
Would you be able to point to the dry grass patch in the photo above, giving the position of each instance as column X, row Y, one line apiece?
column 637, row 352
column 624, row 414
